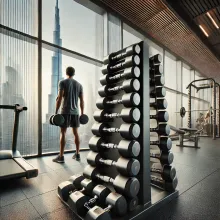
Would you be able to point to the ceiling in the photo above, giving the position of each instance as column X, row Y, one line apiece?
column 205, row 13
column 179, row 32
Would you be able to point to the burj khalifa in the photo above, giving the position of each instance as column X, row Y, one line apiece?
column 50, row 138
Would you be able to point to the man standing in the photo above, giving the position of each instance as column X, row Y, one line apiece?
column 69, row 92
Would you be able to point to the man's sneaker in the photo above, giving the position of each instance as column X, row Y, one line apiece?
column 59, row 159
column 76, row 156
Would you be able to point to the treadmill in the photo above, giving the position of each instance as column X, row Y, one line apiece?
column 12, row 165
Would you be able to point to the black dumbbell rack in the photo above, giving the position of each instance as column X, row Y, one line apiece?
column 149, row 197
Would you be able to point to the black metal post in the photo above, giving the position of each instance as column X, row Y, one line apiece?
column 15, row 131
column 214, row 111
column 39, row 77
column 145, row 189
column 189, row 107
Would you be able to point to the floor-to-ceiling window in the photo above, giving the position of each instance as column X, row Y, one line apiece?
column 18, row 73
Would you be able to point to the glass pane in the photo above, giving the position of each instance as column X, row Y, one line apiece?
column 18, row 84
column 170, row 71
column 171, row 108
column 73, row 26
column 20, row 15
column 86, row 74
column 114, row 34
column 129, row 36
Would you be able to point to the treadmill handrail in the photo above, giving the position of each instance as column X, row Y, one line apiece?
column 14, row 107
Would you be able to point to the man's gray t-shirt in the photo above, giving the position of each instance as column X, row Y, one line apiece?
column 72, row 91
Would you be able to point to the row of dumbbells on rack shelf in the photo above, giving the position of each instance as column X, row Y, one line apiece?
column 167, row 178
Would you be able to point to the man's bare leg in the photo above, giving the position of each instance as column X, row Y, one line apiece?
column 60, row 157
column 62, row 140
column 77, row 142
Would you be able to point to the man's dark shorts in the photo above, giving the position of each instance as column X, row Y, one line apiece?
column 70, row 121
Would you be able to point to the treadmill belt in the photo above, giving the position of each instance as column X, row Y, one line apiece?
column 10, row 169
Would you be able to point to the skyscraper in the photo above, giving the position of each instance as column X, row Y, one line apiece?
column 50, row 140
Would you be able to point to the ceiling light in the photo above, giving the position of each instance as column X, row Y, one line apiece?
column 203, row 30
column 213, row 21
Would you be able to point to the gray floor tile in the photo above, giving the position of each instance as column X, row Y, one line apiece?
column 10, row 196
column 64, row 214
column 39, row 185
column 47, row 202
column 20, row 211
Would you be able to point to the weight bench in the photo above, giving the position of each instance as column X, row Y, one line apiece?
column 187, row 134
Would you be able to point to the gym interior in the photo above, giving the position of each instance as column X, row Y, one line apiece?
column 150, row 148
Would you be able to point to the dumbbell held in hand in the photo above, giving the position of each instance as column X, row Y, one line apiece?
column 126, row 167
column 127, row 114
column 127, row 131
column 57, row 120
column 125, row 185
column 132, row 72
column 116, row 56
column 130, row 85
column 127, row 149
column 128, row 100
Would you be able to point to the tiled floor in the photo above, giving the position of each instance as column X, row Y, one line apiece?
column 198, row 172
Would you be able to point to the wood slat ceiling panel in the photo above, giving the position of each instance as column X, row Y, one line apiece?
column 157, row 20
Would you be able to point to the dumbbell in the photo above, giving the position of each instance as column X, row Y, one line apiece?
column 157, row 92
column 167, row 172
column 125, row 185
column 169, row 186
column 126, row 167
column 80, row 202
column 157, row 81
column 122, row 64
column 125, row 148
column 164, row 143
column 130, row 85
column 159, row 104
column 132, row 72
column 116, row 204
column 128, row 100
column 156, row 70
column 83, row 119
column 127, row 131
column 164, row 157
column 132, row 203
column 57, row 120
column 114, row 57
column 162, row 129
column 67, row 187
column 127, row 114
column 156, row 59
column 161, row 116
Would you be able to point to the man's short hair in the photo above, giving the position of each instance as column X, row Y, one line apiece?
column 70, row 71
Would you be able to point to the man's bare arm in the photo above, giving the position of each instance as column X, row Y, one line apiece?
column 81, row 103
column 59, row 100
